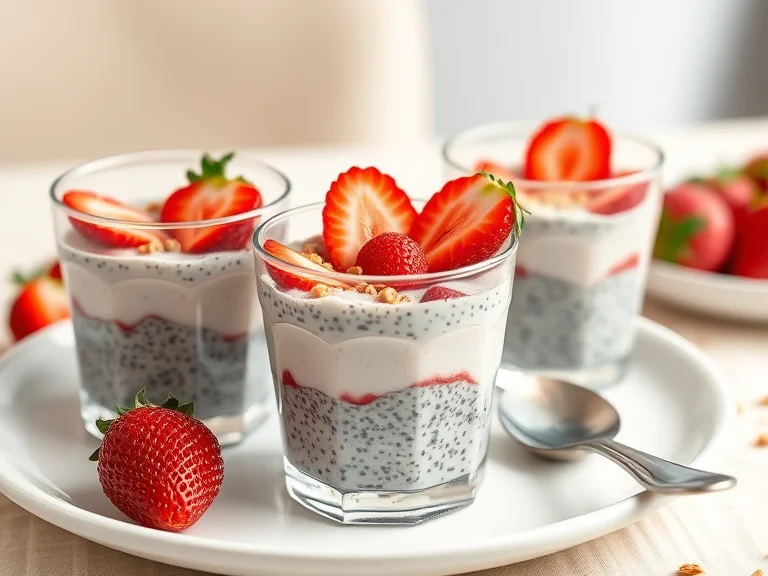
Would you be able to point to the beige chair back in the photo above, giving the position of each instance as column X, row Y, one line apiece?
column 84, row 78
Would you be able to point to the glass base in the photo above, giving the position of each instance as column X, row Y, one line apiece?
column 595, row 377
column 381, row 507
column 229, row 430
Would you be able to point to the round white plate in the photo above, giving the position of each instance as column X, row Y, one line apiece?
column 672, row 403
column 720, row 295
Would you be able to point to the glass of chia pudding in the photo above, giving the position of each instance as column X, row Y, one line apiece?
column 155, row 250
column 594, row 201
column 385, row 321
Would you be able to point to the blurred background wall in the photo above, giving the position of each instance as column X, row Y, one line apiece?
column 655, row 62
column 83, row 78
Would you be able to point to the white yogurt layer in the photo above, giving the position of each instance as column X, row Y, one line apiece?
column 576, row 246
column 349, row 344
column 215, row 290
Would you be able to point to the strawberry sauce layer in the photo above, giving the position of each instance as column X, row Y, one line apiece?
column 362, row 400
column 127, row 328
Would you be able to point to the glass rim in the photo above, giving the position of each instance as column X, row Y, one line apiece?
column 157, row 155
column 515, row 128
column 353, row 279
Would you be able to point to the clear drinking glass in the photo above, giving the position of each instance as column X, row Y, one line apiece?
column 583, row 259
column 385, row 407
column 186, row 324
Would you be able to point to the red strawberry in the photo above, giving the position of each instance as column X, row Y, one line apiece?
column 737, row 189
column 696, row 228
column 105, row 207
column 750, row 258
column 619, row 199
column 569, row 149
column 209, row 195
column 292, row 281
column 498, row 170
column 55, row 270
column 42, row 301
column 158, row 465
column 361, row 204
column 465, row 223
column 440, row 293
column 391, row 254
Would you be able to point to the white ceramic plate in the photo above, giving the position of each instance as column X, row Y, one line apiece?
column 720, row 295
column 672, row 403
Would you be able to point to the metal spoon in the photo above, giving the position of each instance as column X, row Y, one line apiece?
column 556, row 419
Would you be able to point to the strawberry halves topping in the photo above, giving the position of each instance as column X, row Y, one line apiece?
column 569, row 149
column 466, row 222
column 105, row 207
column 209, row 195
column 361, row 204
column 304, row 281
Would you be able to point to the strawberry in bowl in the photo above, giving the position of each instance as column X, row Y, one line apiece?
column 593, row 197
column 384, row 318
column 156, row 251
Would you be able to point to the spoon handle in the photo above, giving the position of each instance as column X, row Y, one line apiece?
column 657, row 474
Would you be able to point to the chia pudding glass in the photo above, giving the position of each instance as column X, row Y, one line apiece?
column 583, row 259
column 384, row 399
column 152, row 313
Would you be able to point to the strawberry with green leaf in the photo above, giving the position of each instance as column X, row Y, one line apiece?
column 41, row 301
column 738, row 190
column 467, row 221
column 696, row 228
column 212, row 194
column 159, row 465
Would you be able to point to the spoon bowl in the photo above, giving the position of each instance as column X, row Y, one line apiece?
column 559, row 420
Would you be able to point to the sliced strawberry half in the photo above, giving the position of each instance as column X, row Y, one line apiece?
column 210, row 195
column 569, row 149
column 619, row 199
column 361, row 204
column 105, row 207
column 292, row 281
column 465, row 223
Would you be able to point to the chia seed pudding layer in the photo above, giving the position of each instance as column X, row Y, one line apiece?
column 391, row 397
column 181, row 324
column 416, row 438
column 190, row 363
column 559, row 325
column 579, row 284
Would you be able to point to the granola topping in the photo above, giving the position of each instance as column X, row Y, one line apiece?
column 690, row 570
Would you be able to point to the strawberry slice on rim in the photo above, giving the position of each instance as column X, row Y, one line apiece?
column 569, row 149
column 361, row 204
column 619, row 199
column 466, row 222
column 106, row 207
column 210, row 195
column 306, row 281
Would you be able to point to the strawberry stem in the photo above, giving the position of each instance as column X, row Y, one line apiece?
column 20, row 279
column 141, row 401
column 211, row 169
column 519, row 210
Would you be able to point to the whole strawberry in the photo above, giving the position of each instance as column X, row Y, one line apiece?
column 158, row 465
column 41, row 301
column 391, row 254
